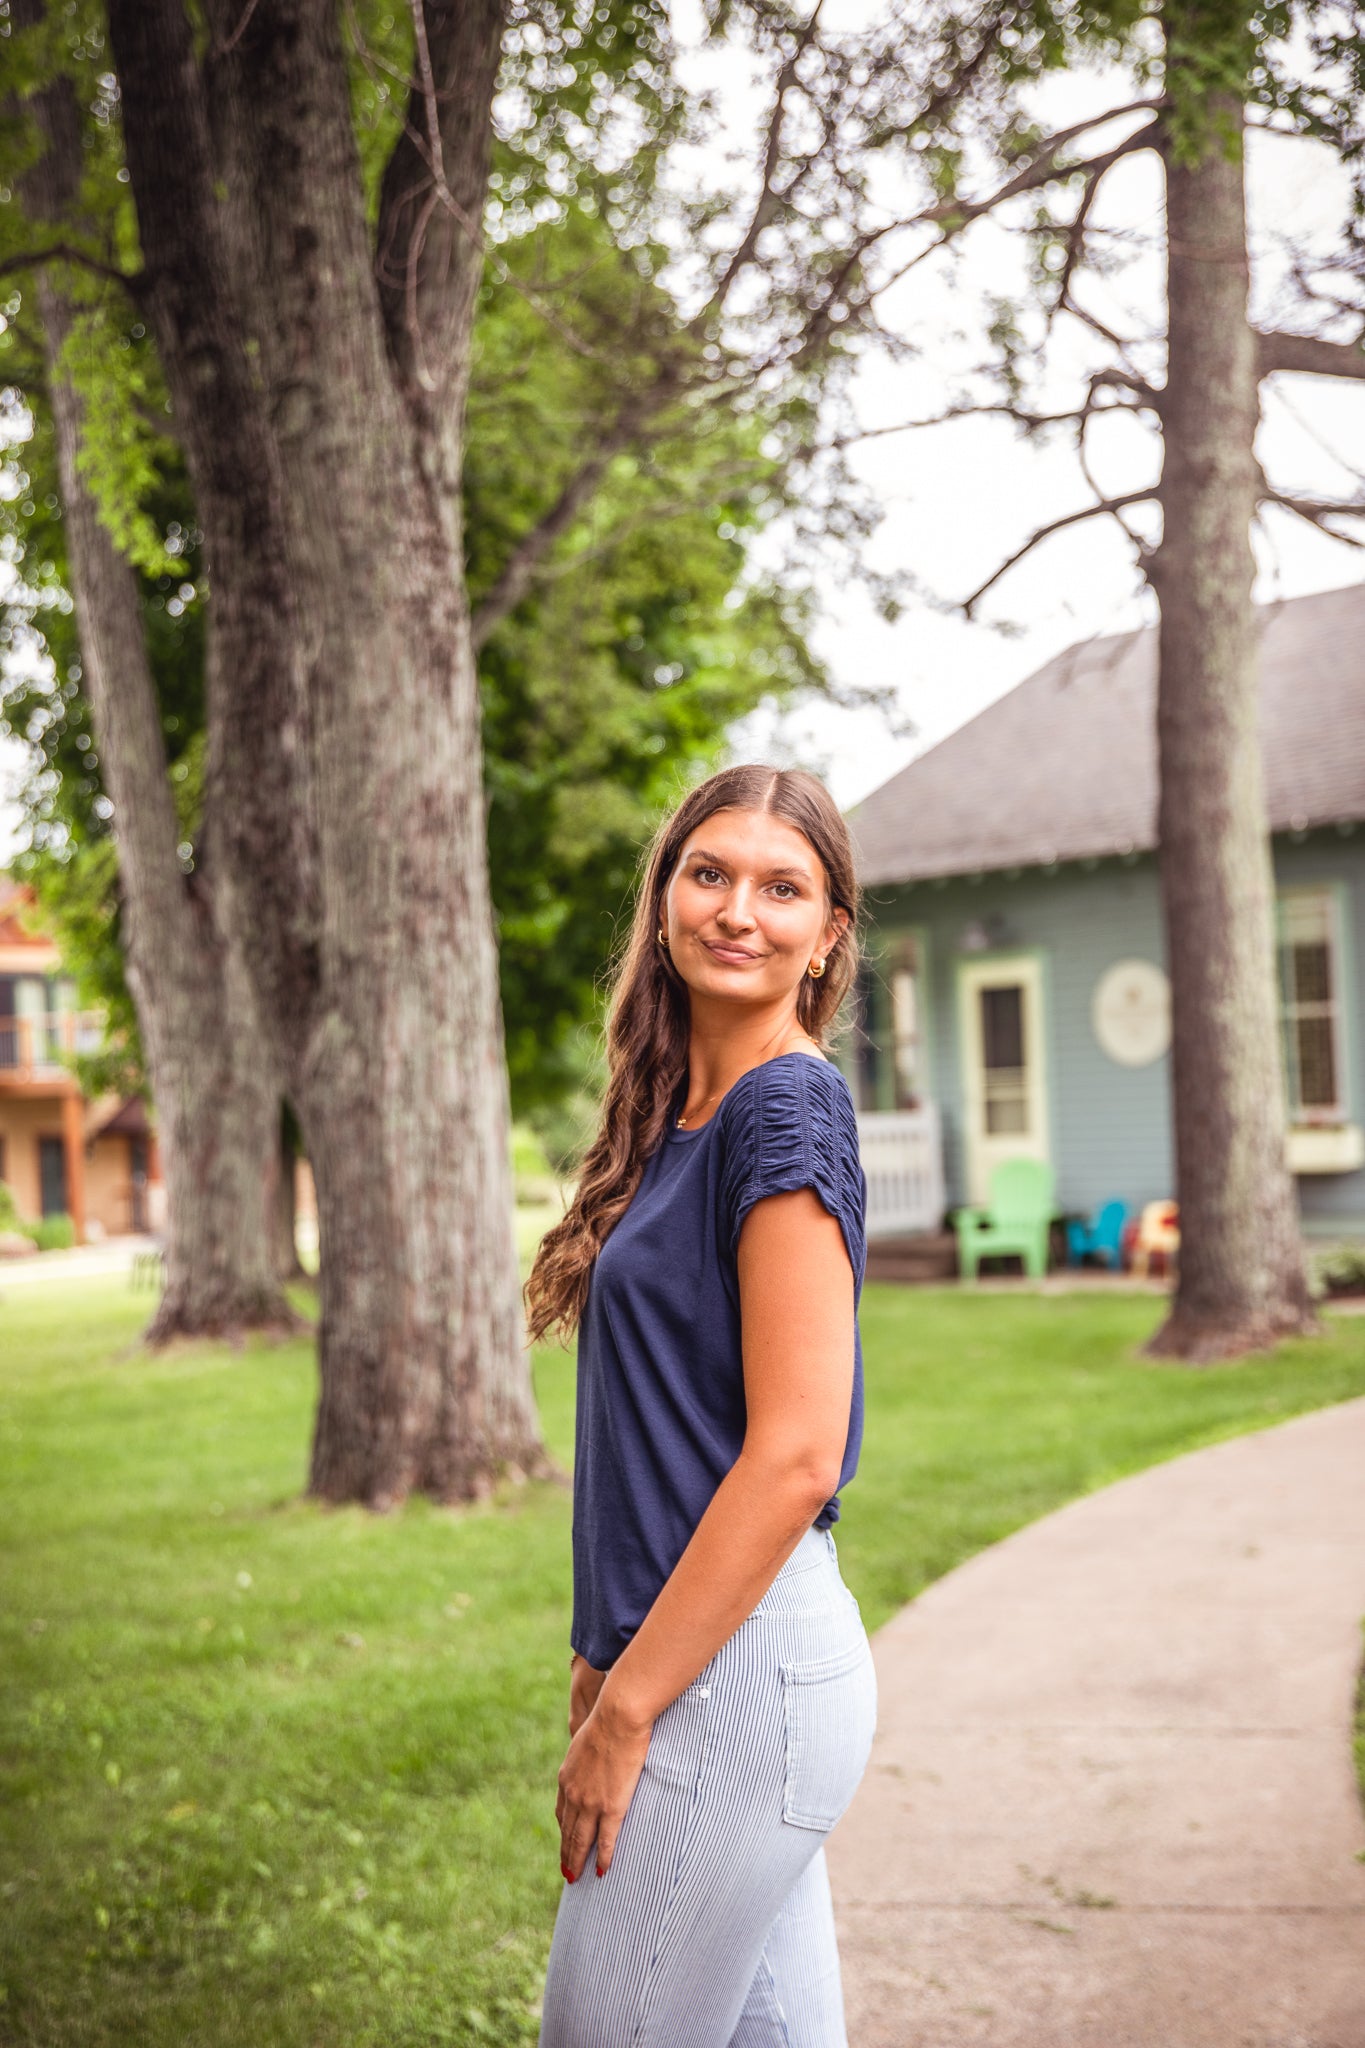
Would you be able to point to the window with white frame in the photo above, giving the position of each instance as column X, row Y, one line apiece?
column 904, row 983
column 1309, row 953
column 886, row 1046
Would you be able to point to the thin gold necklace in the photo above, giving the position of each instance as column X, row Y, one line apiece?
column 681, row 1122
column 701, row 1105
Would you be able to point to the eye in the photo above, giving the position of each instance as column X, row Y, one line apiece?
column 699, row 872
column 787, row 885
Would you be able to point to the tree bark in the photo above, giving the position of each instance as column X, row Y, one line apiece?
column 344, row 731
column 1242, row 1284
column 216, row 1103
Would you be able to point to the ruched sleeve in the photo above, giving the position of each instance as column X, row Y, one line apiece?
column 790, row 1123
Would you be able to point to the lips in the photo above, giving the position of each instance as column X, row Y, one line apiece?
column 734, row 953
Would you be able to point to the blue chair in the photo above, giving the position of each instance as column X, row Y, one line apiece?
column 1103, row 1237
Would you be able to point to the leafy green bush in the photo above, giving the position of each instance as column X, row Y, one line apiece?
column 1339, row 1270
column 9, row 1208
column 53, row 1234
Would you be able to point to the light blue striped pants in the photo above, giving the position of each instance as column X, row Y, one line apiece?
column 714, row 1926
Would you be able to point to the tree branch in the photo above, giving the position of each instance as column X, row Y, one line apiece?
column 1043, row 166
column 429, row 244
column 515, row 577
column 538, row 299
column 193, row 308
column 948, row 89
column 1318, row 511
column 648, row 515
column 1105, row 506
column 1076, row 230
column 1142, row 552
column 1147, row 399
column 1308, row 356
column 768, row 199
column 953, row 216
column 1121, row 344
column 134, row 282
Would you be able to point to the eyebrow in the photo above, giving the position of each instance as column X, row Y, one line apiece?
column 700, row 853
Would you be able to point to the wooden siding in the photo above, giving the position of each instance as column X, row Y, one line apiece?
column 1109, row 1125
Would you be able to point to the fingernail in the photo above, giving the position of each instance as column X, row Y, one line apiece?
column 600, row 1871
column 568, row 1874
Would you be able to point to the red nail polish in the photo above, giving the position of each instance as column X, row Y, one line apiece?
column 568, row 1874
column 601, row 1872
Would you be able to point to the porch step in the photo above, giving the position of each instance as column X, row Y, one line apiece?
column 927, row 1255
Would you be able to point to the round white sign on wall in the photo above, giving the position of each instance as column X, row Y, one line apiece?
column 1131, row 1012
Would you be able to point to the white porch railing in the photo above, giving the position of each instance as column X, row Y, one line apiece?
column 902, row 1154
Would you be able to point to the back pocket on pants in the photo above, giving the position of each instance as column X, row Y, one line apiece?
column 831, row 1713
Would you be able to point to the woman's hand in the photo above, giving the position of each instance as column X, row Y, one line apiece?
column 585, row 1682
column 596, row 1783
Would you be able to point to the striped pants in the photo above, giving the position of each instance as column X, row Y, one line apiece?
column 714, row 1926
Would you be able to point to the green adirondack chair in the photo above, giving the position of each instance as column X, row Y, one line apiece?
column 1015, row 1219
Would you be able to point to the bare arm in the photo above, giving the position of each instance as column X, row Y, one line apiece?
column 796, row 1310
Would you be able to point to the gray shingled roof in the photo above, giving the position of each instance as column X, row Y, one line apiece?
column 1064, row 765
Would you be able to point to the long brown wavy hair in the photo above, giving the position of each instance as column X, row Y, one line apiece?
column 648, row 1022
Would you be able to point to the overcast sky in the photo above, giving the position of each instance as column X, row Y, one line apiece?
column 956, row 499
column 959, row 498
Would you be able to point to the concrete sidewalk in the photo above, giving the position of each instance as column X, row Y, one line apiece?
column 1111, row 1802
column 77, row 1262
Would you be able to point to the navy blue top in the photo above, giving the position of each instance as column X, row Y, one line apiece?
column 661, row 1410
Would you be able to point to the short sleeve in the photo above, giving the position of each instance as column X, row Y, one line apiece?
column 790, row 1123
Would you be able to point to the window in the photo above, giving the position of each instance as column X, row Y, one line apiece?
column 33, row 1004
column 35, row 1019
column 907, row 1036
column 866, row 1050
column 1003, row 1060
column 1310, row 1020
column 887, row 1041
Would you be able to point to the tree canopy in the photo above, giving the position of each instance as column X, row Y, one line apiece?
column 616, row 673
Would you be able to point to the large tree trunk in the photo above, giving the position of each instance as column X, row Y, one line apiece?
column 344, row 735
column 1242, row 1284
column 217, row 1105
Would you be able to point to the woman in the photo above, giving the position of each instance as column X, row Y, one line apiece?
column 722, row 1698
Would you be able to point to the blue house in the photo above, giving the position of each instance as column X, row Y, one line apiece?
column 1015, row 1000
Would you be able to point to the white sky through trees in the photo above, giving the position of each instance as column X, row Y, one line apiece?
column 956, row 499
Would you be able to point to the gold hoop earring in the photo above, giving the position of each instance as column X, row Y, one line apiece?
column 816, row 969
column 662, row 940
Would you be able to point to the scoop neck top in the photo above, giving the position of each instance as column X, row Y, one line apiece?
column 661, row 1411
column 682, row 1136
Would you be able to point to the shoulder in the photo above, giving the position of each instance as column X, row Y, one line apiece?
column 794, row 1088
column 788, row 1123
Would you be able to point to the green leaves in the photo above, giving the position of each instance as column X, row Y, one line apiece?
column 126, row 451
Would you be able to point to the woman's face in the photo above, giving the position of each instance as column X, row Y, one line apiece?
column 744, row 912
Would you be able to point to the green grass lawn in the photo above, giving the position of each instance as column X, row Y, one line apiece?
column 272, row 1773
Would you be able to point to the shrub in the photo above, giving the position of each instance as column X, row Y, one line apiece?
column 1340, row 1269
column 9, row 1209
column 53, row 1234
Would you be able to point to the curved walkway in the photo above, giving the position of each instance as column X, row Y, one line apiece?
column 1111, row 1803
column 76, row 1262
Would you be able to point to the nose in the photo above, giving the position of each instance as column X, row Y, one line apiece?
column 735, row 913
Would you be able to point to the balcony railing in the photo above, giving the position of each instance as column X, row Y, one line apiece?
column 32, row 1047
column 902, row 1155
